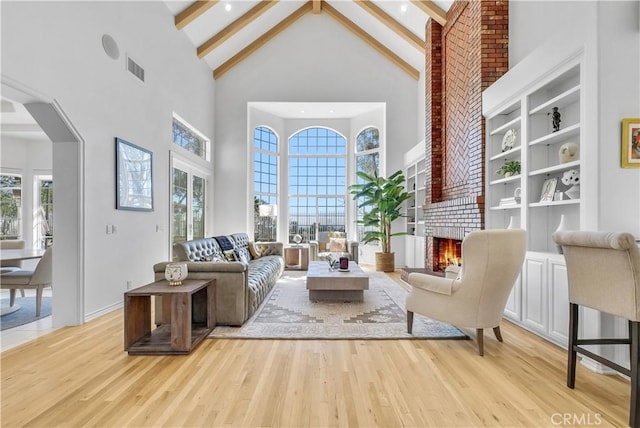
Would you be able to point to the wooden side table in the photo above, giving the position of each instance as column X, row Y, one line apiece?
column 189, row 316
column 296, row 258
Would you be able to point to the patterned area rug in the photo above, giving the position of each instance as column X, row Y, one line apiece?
column 287, row 313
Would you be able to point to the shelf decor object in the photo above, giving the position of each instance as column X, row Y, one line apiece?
column 568, row 152
column 134, row 177
column 572, row 178
column 509, row 139
column 631, row 143
column 555, row 119
column 548, row 189
column 509, row 168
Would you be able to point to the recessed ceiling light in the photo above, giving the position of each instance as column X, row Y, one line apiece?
column 302, row 111
column 403, row 8
column 330, row 111
column 227, row 7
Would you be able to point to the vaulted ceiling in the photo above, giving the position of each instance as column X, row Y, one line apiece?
column 228, row 31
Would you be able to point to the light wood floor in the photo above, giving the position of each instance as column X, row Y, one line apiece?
column 80, row 376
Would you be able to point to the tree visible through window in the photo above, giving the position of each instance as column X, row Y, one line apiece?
column 10, row 206
column 187, row 138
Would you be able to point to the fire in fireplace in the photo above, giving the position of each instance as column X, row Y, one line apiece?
column 446, row 252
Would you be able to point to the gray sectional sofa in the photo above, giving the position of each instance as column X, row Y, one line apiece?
column 240, row 286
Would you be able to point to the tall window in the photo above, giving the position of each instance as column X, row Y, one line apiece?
column 265, row 182
column 10, row 206
column 189, row 203
column 190, row 139
column 368, row 161
column 317, row 183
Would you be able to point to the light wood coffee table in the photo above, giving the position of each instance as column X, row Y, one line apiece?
column 334, row 285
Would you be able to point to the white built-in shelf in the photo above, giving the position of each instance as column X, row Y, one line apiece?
column 569, row 96
column 506, row 180
column 507, row 207
column 554, row 203
column 556, row 137
column 555, row 168
column 514, row 123
column 508, row 153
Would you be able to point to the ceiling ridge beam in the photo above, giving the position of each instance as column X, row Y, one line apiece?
column 433, row 10
column 233, row 28
column 262, row 40
column 317, row 7
column 385, row 51
column 391, row 23
column 193, row 11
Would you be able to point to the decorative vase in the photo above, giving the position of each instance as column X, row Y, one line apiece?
column 175, row 273
column 573, row 192
column 512, row 224
column 561, row 227
column 385, row 262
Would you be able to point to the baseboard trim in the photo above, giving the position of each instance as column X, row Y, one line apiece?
column 95, row 314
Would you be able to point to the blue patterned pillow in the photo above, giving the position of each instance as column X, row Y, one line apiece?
column 224, row 242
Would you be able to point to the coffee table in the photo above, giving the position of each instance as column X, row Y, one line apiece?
column 334, row 285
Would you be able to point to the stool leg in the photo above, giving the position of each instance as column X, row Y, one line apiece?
column 573, row 337
column 634, row 409
column 409, row 322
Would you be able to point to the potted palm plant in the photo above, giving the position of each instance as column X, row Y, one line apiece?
column 383, row 197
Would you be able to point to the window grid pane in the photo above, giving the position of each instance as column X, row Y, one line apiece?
column 265, row 184
column 186, row 138
column 317, row 183
column 10, row 206
column 367, row 141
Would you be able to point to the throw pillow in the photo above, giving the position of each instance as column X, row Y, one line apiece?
column 254, row 250
column 337, row 245
column 240, row 256
column 230, row 255
column 218, row 259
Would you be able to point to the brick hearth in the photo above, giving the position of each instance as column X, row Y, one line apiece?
column 462, row 59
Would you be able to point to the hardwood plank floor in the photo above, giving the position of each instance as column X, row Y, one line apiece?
column 80, row 376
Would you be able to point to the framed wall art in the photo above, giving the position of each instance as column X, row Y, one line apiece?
column 630, row 143
column 134, row 177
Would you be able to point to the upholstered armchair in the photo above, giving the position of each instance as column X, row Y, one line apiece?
column 603, row 270
column 476, row 298
column 333, row 244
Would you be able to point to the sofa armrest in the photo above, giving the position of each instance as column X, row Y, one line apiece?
column 206, row 267
column 353, row 247
column 313, row 250
column 271, row 248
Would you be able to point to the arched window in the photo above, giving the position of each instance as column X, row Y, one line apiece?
column 368, row 161
column 265, row 184
column 317, row 183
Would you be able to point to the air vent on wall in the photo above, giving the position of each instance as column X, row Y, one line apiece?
column 135, row 69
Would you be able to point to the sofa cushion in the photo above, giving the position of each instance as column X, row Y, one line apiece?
column 241, row 244
column 254, row 250
column 197, row 249
column 224, row 242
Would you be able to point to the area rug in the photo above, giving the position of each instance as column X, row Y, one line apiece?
column 26, row 313
column 287, row 313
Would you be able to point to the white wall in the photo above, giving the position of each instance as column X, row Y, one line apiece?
column 316, row 59
column 55, row 48
column 609, row 31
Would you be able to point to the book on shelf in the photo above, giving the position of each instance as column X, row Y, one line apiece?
column 508, row 202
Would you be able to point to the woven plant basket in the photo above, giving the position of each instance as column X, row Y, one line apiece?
column 385, row 262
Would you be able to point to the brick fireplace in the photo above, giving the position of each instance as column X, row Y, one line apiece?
column 462, row 59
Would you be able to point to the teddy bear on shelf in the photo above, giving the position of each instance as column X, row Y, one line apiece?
column 572, row 178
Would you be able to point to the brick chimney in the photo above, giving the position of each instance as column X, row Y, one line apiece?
column 462, row 59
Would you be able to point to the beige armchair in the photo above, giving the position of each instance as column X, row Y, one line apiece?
column 603, row 270
column 6, row 267
column 37, row 279
column 333, row 244
column 491, row 263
